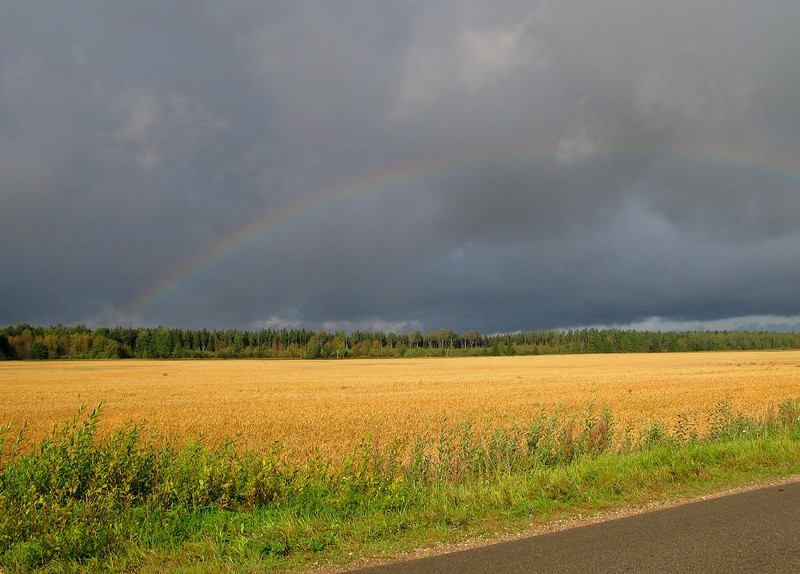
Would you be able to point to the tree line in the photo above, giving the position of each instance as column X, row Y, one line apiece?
column 80, row 342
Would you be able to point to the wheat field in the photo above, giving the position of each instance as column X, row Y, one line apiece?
column 332, row 405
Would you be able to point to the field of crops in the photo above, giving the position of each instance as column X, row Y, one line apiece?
column 332, row 405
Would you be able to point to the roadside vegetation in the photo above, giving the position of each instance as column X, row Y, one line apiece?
column 80, row 500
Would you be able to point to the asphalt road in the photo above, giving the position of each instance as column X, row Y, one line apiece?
column 755, row 532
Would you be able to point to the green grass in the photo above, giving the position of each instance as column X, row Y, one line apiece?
column 82, row 502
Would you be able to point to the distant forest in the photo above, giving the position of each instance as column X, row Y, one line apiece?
column 27, row 342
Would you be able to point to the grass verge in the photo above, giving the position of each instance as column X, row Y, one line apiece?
column 81, row 502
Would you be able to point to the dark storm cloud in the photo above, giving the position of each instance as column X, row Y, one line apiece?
column 578, row 163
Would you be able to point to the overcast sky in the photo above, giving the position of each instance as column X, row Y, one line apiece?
column 499, row 166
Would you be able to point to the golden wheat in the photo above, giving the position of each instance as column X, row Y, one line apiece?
column 332, row 405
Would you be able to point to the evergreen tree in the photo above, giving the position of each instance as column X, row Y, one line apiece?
column 38, row 350
column 6, row 352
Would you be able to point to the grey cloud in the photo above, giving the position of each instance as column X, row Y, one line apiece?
column 555, row 163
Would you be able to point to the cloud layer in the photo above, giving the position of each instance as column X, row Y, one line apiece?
column 493, row 166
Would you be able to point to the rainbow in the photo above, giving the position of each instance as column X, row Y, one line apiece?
column 772, row 167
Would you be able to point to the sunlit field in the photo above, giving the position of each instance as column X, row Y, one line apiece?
column 332, row 405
